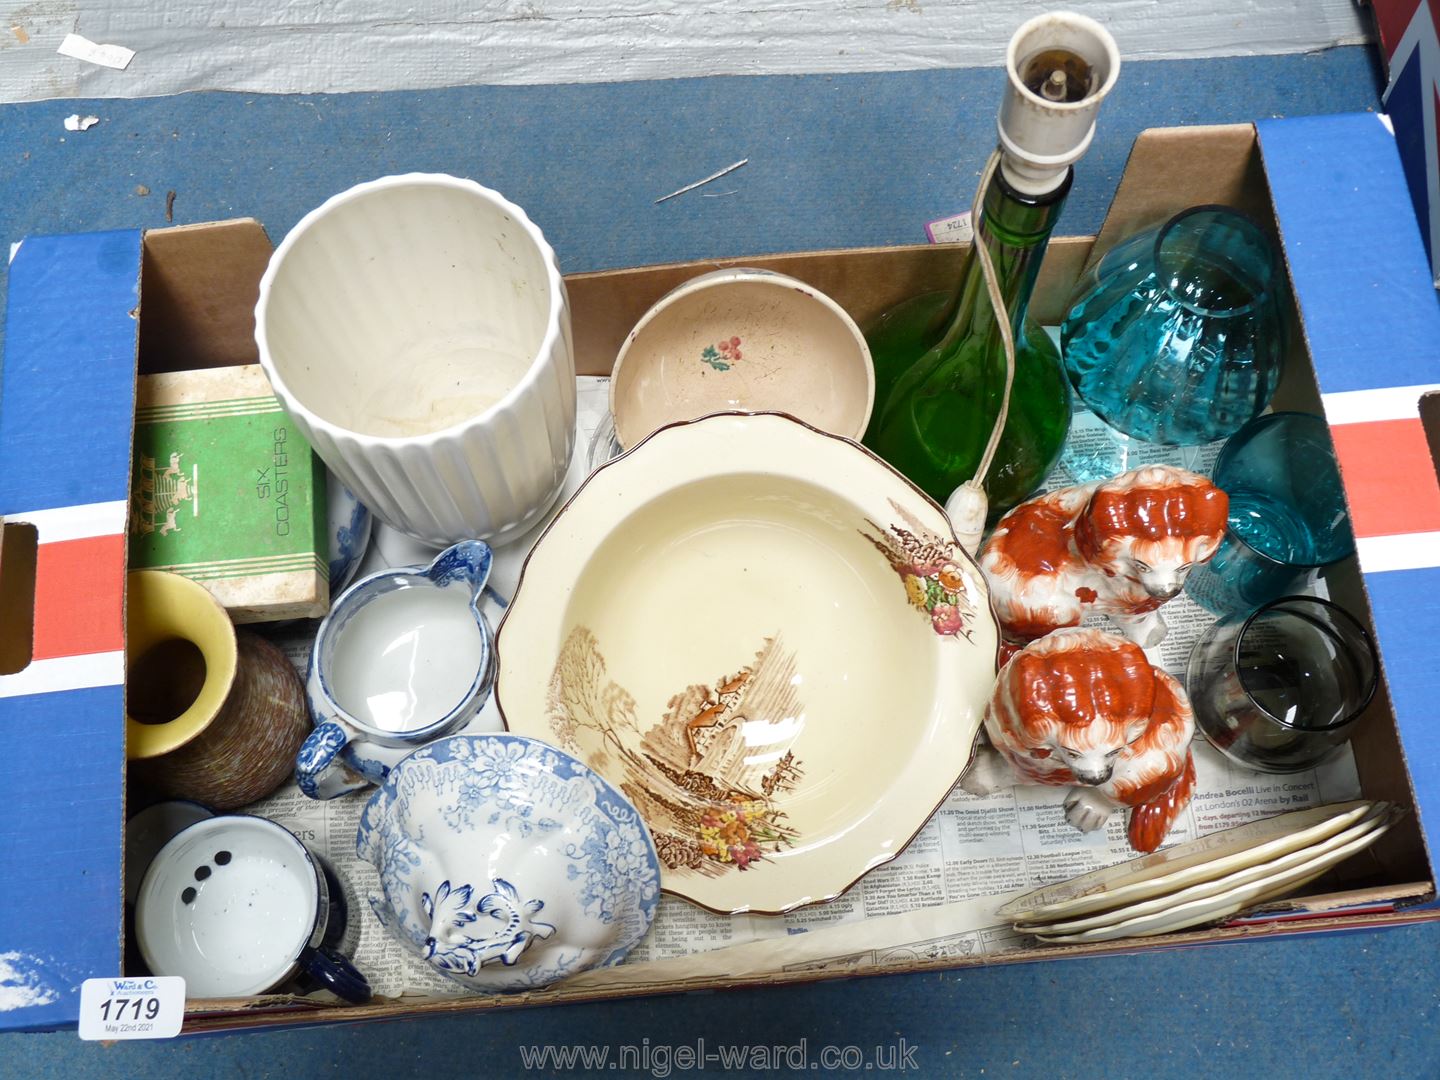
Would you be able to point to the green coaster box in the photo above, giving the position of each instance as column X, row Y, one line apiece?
column 226, row 491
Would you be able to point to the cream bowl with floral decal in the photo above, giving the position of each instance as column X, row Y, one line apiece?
column 742, row 339
column 769, row 640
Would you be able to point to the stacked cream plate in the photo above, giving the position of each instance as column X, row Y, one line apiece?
column 1203, row 881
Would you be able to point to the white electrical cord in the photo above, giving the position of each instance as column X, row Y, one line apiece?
column 968, row 505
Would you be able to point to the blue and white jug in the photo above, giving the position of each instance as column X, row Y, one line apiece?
column 403, row 658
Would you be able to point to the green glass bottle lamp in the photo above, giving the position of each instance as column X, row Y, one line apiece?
column 943, row 379
column 940, row 366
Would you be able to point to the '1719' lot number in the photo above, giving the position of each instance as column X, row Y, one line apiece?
column 150, row 1008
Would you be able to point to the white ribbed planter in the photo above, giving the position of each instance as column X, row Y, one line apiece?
column 417, row 331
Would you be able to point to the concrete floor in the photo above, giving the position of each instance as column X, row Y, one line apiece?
column 834, row 161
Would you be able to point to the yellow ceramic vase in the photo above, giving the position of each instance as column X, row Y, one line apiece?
column 211, row 713
column 164, row 612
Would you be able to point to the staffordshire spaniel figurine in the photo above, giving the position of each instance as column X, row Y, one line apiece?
column 1121, row 547
column 1084, row 708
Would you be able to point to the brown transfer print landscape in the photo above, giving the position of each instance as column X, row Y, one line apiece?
column 708, row 809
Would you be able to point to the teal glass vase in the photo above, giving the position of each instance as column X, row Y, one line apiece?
column 1175, row 338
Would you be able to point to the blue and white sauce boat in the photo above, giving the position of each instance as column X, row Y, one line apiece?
column 508, row 864
column 404, row 657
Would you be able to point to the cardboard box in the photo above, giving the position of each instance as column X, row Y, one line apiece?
column 1368, row 329
column 73, row 337
column 1408, row 32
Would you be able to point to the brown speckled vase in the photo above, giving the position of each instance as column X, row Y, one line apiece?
column 248, row 749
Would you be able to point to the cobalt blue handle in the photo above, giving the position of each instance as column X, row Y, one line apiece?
column 336, row 974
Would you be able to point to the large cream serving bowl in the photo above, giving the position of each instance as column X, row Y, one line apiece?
column 769, row 640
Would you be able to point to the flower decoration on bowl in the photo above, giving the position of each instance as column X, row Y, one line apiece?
column 769, row 607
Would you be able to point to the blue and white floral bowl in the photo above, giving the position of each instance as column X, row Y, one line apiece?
column 508, row 864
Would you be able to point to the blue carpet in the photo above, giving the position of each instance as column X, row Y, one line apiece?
column 834, row 161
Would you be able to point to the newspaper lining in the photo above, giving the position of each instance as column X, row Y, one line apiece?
column 936, row 899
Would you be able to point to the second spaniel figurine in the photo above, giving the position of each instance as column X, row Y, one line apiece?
column 1085, row 709
column 1121, row 548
